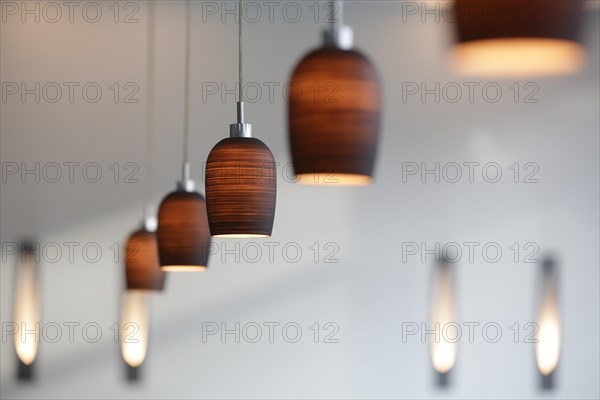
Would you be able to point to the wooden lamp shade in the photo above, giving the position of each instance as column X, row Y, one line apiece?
column 334, row 117
column 241, row 188
column 142, row 268
column 518, row 38
column 183, row 235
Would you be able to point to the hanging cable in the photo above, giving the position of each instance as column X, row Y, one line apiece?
column 241, row 128
column 241, row 44
column 150, row 42
column 186, row 88
column 337, row 14
column 240, row 104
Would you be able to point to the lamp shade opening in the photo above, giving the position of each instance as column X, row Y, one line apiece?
column 142, row 266
column 241, row 188
column 334, row 109
column 183, row 236
column 515, row 38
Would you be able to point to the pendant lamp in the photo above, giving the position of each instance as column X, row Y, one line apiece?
column 547, row 346
column 135, row 328
column 443, row 313
column 241, row 185
column 518, row 38
column 26, row 310
column 142, row 268
column 334, row 112
column 183, row 234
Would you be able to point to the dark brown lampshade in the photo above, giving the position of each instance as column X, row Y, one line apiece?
column 142, row 268
column 516, row 38
column 334, row 118
column 183, row 235
column 241, row 188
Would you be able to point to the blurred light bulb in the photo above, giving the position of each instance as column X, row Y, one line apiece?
column 135, row 326
column 518, row 57
column 547, row 347
column 443, row 312
column 27, row 308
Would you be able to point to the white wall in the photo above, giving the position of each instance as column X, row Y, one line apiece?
column 371, row 291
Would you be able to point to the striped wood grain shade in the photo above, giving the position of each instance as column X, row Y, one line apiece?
column 183, row 236
column 241, row 188
column 518, row 38
column 334, row 117
column 142, row 268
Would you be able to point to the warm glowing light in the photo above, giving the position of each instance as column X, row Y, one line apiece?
column 184, row 268
column 135, row 326
column 244, row 236
column 444, row 350
column 547, row 348
column 518, row 57
column 333, row 179
column 27, row 309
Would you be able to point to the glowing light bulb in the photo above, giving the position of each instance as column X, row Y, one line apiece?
column 135, row 326
column 27, row 308
column 518, row 57
column 443, row 312
column 547, row 348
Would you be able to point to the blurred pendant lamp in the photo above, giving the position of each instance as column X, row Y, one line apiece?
column 334, row 112
column 547, row 347
column 241, row 185
column 443, row 313
column 26, row 311
column 183, row 234
column 142, row 268
column 135, row 331
column 518, row 38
